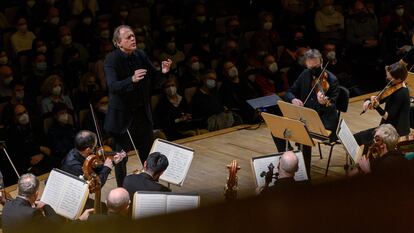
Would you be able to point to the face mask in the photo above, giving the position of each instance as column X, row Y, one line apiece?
column 316, row 71
column 54, row 20
column 24, row 119
column 87, row 21
column 103, row 108
column 57, row 90
column 233, row 72
column 63, row 118
column 4, row 60
column 201, row 19
column 105, row 34
column 31, row 3
column 141, row 46
column 171, row 46
column 42, row 49
column 301, row 60
column 42, row 66
column 20, row 96
column 273, row 67
column 8, row 80
column 195, row 66
column 170, row 28
column 171, row 91
column 123, row 14
column 331, row 55
column 66, row 40
column 252, row 78
column 211, row 83
column 23, row 28
column 399, row 11
column 267, row 26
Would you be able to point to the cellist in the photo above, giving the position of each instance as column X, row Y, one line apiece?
column 397, row 104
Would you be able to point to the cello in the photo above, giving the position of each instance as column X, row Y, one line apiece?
column 230, row 190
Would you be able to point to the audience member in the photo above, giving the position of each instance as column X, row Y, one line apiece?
column 23, row 38
column 329, row 22
column 53, row 92
column 6, row 79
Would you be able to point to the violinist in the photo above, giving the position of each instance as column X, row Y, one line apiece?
column 397, row 104
column 85, row 144
column 322, row 98
column 382, row 156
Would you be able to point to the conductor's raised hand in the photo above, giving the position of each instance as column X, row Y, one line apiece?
column 297, row 102
column 165, row 66
column 119, row 157
column 138, row 75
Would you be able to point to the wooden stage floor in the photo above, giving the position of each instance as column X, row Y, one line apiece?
column 213, row 151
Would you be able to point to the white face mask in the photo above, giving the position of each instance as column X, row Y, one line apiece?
column 252, row 78
column 87, row 21
column 233, row 72
column 20, row 96
column 24, row 119
column 57, row 90
column 42, row 49
column 8, row 80
column 399, row 11
column 195, row 66
column 170, row 28
column 4, row 60
column 273, row 67
column 141, row 46
column 55, row 20
column 123, row 14
column 103, row 108
column 331, row 55
column 211, row 83
column 66, row 40
column 63, row 118
column 105, row 34
column 201, row 18
column 267, row 26
column 171, row 91
column 171, row 46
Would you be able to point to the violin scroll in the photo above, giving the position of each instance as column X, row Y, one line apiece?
column 231, row 187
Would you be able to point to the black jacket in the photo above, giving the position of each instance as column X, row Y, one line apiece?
column 398, row 107
column 124, row 95
column 142, row 182
column 73, row 163
column 19, row 213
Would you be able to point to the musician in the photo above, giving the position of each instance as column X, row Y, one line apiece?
column 382, row 155
column 154, row 167
column 85, row 144
column 322, row 101
column 25, row 209
column 117, row 203
column 397, row 104
column 130, row 75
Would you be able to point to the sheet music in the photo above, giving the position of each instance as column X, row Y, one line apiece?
column 179, row 160
column 261, row 164
column 146, row 205
column 181, row 202
column 348, row 140
column 65, row 194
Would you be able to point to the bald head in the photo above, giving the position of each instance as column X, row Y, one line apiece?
column 118, row 201
column 288, row 164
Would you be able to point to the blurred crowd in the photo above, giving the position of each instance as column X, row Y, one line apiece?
column 223, row 53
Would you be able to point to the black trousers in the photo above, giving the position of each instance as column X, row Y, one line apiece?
column 142, row 134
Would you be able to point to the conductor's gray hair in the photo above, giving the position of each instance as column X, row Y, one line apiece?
column 117, row 34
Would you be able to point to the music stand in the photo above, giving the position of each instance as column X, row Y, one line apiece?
column 262, row 103
column 308, row 116
column 288, row 129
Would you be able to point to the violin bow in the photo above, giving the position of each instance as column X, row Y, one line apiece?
column 8, row 157
column 317, row 82
column 95, row 122
column 135, row 149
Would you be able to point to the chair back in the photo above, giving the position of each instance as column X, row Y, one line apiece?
column 343, row 99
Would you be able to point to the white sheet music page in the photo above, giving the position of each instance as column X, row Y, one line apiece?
column 179, row 160
column 181, row 202
column 348, row 140
column 146, row 205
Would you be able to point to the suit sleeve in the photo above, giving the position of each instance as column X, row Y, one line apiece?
column 115, row 85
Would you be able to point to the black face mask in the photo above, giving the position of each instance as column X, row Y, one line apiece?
column 316, row 71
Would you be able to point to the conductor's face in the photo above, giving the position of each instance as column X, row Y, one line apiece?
column 127, row 40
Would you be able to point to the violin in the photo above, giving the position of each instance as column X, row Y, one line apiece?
column 230, row 190
column 374, row 150
column 269, row 176
column 320, row 84
column 388, row 90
